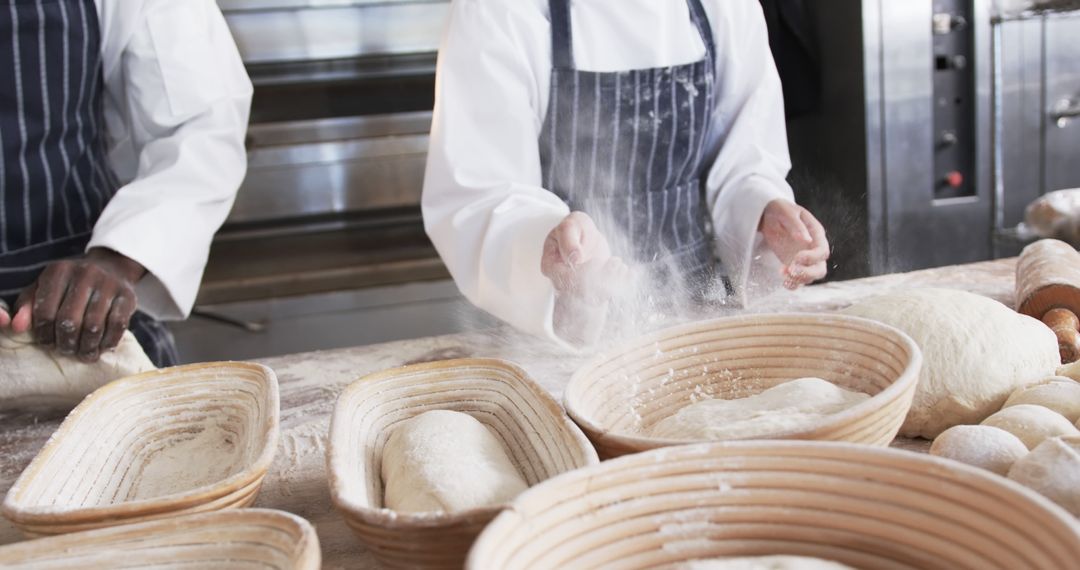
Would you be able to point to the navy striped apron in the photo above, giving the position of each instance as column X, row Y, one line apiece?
column 54, row 175
column 626, row 148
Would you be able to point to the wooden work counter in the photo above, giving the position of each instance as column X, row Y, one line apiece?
column 310, row 383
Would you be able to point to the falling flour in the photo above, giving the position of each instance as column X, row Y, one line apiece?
column 790, row 406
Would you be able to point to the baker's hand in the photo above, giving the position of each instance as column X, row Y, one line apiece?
column 798, row 240
column 578, row 260
column 81, row 306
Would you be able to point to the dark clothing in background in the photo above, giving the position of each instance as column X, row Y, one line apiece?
column 794, row 47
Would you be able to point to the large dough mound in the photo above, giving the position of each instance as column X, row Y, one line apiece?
column 795, row 405
column 976, row 351
column 34, row 376
column 446, row 461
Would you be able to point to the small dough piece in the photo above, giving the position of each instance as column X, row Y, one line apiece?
column 1062, row 397
column 446, row 461
column 1053, row 469
column 765, row 563
column 783, row 408
column 976, row 351
column 1032, row 424
column 33, row 377
column 1070, row 371
column 986, row 447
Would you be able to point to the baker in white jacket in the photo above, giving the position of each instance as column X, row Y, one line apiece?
column 572, row 139
column 121, row 150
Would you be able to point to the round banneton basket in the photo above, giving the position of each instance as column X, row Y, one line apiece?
column 239, row 538
column 541, row 441
column 618, row 396
column 177, row 441
column 864, row 506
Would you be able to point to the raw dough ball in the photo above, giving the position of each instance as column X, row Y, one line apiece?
column 976, row 351
column 1032, row 424
column 1053, row 469
column 783, row 408
column 33, row 376
column 1061, row 397
column 989, row 448
column 765, row 563
column 1070, row 371
column 446, row 461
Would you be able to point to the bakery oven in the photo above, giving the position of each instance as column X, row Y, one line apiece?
column 938, row 122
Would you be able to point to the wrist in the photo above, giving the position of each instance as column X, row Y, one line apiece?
column 117, row 263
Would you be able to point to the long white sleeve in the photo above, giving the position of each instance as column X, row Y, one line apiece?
column 483, row 205
column 177, row 105
column 750, row 137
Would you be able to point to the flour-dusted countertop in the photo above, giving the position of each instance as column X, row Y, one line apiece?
column 310, row 383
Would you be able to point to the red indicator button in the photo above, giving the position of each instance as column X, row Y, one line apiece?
column 954, row 179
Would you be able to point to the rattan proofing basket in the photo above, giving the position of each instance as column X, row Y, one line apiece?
column 618, row 396
column 541, row 441
column 239, row 538
column 101, row 466
column 863, row 506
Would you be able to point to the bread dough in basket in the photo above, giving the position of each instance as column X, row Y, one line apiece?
column 35, row 376
column 446, row 461
column 790, row 406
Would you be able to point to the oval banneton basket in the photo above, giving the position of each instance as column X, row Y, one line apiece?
column 176, row 441
column 864, row 506
column 541, row 441
column 618, row 396
column 239, row 538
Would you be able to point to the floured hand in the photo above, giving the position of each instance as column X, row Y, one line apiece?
column 798, row 240
column 577, row 259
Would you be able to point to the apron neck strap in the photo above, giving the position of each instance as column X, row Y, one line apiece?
column 562, row 41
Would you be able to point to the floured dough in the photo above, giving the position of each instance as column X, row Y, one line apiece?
column 990, row 448
column 1032, row 424
column 976, row 351
column 446, row 461
column 1061, row 397
column 1053, row 469
column 1070, row 371
column 34, row 376
column 765, row 563
column 786, row 407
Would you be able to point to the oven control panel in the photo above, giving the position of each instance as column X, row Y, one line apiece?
column 954, row 99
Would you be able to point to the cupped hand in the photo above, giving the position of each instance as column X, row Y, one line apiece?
column 798, row 240
column 577, row 259
column 80, row 306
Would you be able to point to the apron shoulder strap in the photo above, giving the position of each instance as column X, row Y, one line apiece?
column 562, row 43
column 701, row 20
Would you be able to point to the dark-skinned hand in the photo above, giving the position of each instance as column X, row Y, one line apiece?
column 80, row 306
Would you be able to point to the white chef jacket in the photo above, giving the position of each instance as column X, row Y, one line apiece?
column 483, row 203
column 176, row 107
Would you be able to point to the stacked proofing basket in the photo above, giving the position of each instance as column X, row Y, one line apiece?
column 540, row 440
column 620, row 395
column 858, row 505
column 136, row 450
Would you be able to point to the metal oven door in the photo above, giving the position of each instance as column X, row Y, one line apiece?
column 1062, row 127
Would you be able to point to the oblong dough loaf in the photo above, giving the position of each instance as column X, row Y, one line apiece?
column 1053, row 469
column 35, row 376
column 1032, row 424
column 976, row 351
column 986, row 447
column 446, row 461
column 1061, row 397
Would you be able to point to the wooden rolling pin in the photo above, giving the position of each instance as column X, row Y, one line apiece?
column 1048, row 288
